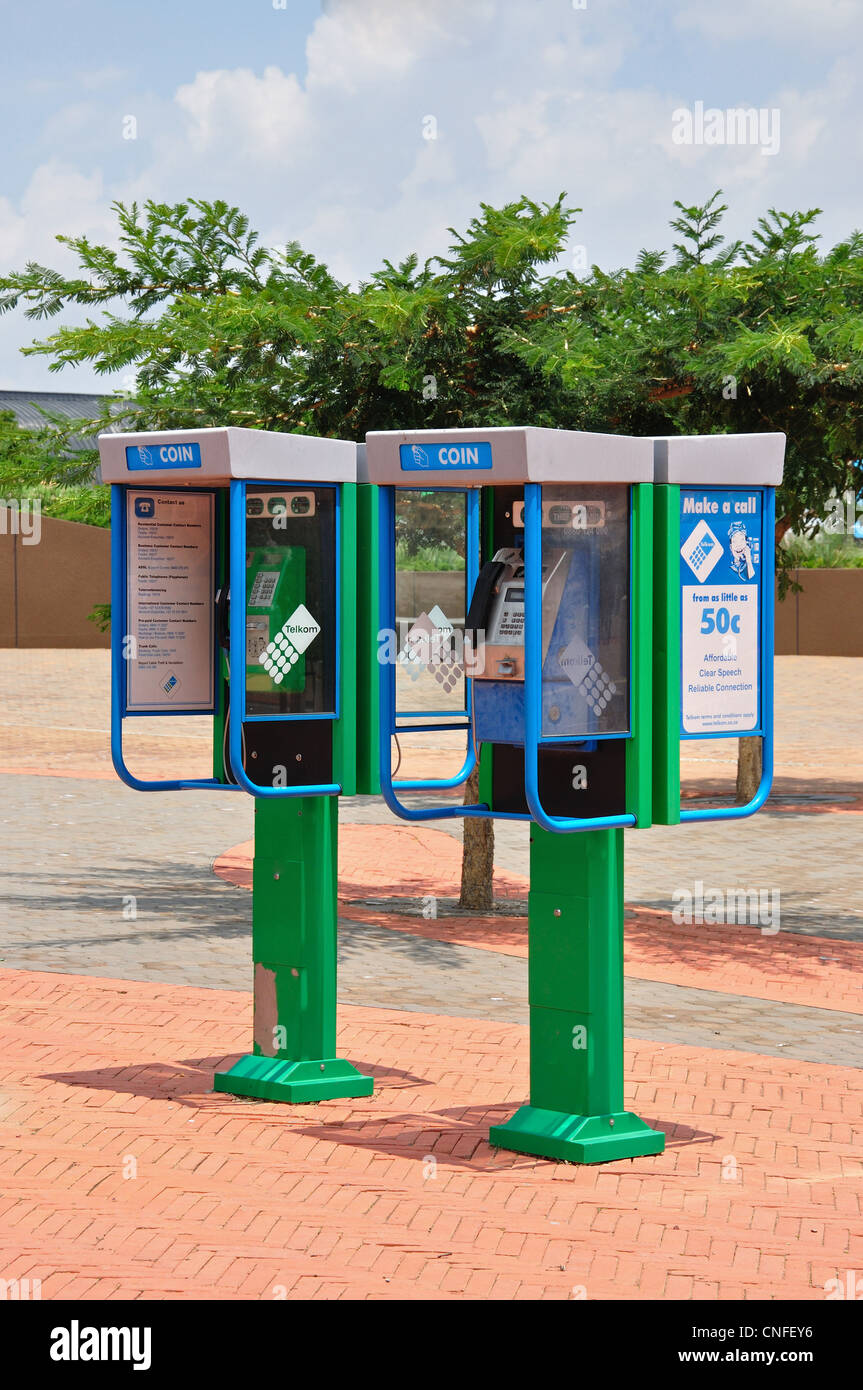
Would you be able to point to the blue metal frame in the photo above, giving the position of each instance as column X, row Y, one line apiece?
column 236, row 687
column 562, row 825
column 768, row 616
column 387, row 670
column 118, row 661
column 533, row 677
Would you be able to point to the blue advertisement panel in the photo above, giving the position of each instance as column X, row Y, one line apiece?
column 721, row 534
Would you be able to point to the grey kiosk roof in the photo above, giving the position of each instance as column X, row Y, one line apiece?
column 233, row 453
column 720, row 460
column 519, row 455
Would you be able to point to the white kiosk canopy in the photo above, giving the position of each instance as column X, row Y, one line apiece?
column 187, row 458
column 719, row 460
column 512, row 454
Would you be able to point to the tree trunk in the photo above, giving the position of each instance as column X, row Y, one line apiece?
column 477, row 865
column 748, row 768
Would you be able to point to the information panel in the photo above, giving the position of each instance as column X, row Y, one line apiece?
column 721, row 597
column 170, row 567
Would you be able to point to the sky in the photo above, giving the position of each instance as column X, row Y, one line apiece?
column 365, row 128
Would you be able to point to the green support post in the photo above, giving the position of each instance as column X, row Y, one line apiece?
column 294, row 952
column 575, row 992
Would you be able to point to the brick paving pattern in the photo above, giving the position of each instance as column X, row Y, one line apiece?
column 398, row 1196
column 109, row 1040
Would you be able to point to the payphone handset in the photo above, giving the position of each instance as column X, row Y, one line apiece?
column 495, row 619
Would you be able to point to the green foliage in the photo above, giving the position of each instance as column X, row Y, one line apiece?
column 428, row 557
column 430, row 521
column 89, row 505
column 30, row 459
column 823, row 552
column 100, row 614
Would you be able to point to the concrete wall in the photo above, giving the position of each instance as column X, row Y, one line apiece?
column 47, row 590
column 826, row 619
column 419, row 590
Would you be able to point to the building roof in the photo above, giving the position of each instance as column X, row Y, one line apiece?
column 26, row 406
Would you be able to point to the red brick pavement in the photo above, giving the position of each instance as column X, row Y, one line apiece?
column 383, row 861
column 398, row 1196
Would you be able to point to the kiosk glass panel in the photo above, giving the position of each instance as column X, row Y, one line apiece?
column 585, row 609
column 290, row 601
column 430, row 603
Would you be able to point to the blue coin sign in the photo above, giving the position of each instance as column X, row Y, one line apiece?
column 427, row 458
column 721, row 534
column 184, row 454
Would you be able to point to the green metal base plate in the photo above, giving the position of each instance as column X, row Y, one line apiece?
column 270, row 1078
column 577, row 1138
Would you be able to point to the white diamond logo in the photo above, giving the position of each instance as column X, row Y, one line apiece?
column 702, row 551
column 592, row 682
column 301, row 628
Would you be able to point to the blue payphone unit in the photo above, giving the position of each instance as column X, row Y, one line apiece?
column 553, row 654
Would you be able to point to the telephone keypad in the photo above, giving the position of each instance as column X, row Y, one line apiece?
column 511, row 625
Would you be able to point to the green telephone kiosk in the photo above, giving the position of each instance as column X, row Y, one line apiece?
column 234, row 597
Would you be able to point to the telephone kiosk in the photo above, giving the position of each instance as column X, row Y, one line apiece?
column 554, row 704
column 556, row 628
column 617, row 598
column 199, row 516
column 233, row 595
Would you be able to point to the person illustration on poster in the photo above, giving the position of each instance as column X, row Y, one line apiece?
column 741, row 551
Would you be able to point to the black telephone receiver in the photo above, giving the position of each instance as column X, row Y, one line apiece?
column 480, row 605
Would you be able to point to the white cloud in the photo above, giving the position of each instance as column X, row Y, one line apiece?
column 532, row 98
column 258, row 118
column 781, row 21
column 358, row 43
column 58, row 198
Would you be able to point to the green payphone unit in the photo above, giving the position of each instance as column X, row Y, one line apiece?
column 554, row 701
column 234, row 596
column 618, row 598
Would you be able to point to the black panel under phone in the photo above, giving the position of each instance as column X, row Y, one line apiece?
column 303, row 747
column 605, row 770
